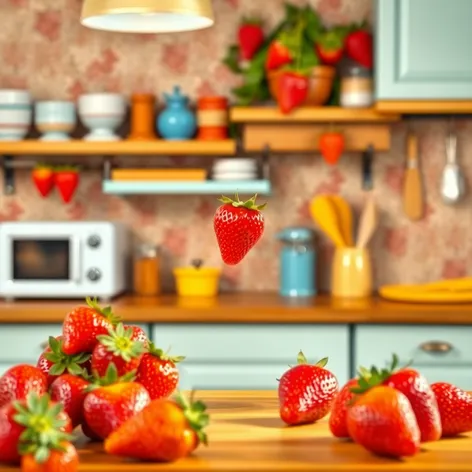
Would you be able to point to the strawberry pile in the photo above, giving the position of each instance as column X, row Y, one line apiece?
column 106, row 377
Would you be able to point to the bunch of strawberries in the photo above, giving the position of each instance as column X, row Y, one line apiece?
column 389, row 411
column 106, row 377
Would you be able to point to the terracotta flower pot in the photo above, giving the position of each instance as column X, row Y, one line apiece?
column 321, row 84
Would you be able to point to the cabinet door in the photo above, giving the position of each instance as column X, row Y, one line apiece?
column 250, row 357
column 440, row 353
column 423, row 49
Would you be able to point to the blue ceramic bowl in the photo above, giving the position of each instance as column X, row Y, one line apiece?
column 55, row 119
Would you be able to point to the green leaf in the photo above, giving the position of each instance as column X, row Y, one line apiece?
column 75, row 369
column 313, row 24
column 57, row 369
column 53, row 357
column 55, row 345
column 42, row 454
column 231, row 60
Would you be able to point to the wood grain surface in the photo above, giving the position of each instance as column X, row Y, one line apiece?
column 248, row 308
column 246, row 434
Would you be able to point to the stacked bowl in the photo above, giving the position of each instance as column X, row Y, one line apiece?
column 235, row 169
column 15, row 114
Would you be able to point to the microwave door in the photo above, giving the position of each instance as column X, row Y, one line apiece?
column 75, row 258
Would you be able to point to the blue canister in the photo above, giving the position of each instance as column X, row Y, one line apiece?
column 297, row 262
column 177, row 122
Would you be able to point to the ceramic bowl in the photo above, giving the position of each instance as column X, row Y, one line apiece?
column 102, row 114
column 15, row 114
column 55, row 120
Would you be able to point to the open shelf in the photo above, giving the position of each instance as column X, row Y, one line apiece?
column 310, row 115
column 207, row 187
column 118, row 148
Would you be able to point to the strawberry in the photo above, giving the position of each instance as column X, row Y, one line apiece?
column 158, row 373
column 293, row 90
column 61, row 457
column 112, row 400
column 416, row 388
column 238, row 227
column 164, row 431
column 32, row 415
column 70, row 391
column 331, row 146
column 18, row 381
column 250, row 38
column 382, row 420
column 67, row 181
column 138, row 334
column 338, row 416
column 54, row 362
column 330, row 45
column 82, row 326
column 43, row 178
column 359, row 47
column 455, row 408
column 306, row 392
column 117, row 347
column 278, row 55
column 88, row 432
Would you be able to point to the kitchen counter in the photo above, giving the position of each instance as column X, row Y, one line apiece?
column 248, row 308
column 246, row 433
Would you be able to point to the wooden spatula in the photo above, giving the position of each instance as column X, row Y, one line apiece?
column 344, row 213
column 367, row 223
column 413, row 204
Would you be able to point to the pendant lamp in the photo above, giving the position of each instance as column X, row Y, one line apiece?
column 147, row 16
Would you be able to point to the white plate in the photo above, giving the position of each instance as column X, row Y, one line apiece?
column 235, row 176
column 237, row 165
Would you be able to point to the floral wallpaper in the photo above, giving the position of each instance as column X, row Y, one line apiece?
column 44, row 48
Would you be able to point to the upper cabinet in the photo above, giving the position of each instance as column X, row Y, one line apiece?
column 423, row 54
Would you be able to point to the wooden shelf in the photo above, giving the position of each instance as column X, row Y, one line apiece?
column 310, row 115
column 187, row 187
column 425, row 107
column 118, row 148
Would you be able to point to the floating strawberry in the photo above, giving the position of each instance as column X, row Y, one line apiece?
column 54, row 362
column 455, row 408
column 164, row 431
column 306, row 392
column 43, row 178
column 118, row 348
column 416, row 388
column 158, row 373
column 54, row 457
column 70, row 391
column 250, row 38
column 293, row 90
column 20, row 380
column 82, row 326
column 113, row 400
column 238, row 227
column 382, row 420
column 67, row 181
column 278, row 55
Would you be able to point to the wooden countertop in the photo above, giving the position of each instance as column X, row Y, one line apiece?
column 246, row 434
column 248, row 308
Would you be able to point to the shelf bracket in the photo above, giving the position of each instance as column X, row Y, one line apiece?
column 107, row 167
column 8, row 175
column 265, row 162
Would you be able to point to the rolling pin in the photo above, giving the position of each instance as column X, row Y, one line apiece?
column 413, row 203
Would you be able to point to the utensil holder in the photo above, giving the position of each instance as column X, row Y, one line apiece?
column 351, row 275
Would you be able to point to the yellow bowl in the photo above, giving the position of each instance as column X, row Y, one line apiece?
column 197, row 282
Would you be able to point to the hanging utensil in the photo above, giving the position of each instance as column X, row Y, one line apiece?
column 452, row 181
column 344, row 213
column 367, row 162
column 367, row 223
column 324, row 213
column 413, row 202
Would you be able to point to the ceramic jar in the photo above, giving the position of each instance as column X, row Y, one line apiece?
column 55, row 119
column 177, row 122
column 142, row 117
column 212, row 118
column 15, row 114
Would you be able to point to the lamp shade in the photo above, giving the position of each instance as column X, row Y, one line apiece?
column 147, row 16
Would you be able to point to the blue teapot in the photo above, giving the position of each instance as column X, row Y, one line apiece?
column 177, row 122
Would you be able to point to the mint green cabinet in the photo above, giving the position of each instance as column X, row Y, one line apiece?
column 423, row 49
column 250, row 356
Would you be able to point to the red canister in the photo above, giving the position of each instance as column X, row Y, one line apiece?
column 212, row 118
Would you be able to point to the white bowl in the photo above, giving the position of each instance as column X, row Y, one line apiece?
column 235, row 165
column 15, row 114
column 102, row 113
column 55, row 119
column 235, row 176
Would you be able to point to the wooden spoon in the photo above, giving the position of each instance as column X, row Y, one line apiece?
column 324, row 213
column 367, row 223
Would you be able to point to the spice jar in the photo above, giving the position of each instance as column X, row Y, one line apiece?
column 146, row 278
column 212, row 118
column 356, row 87
column 142, row 116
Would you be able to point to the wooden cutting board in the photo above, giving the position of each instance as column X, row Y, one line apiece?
column 158, row 174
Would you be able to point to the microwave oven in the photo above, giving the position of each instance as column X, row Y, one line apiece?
column 63, row 259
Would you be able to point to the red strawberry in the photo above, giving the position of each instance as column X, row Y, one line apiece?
column 338, row 417
column 88, row 432
column 43, row 178
column 382, row 421
column 238, row 227
column 250, row 38
column 70, row 391
column 278, row 55
column 17, row 416
column 293, row 90
column 158, row 373
column 112, row 401
column 455, row 408
column 164, row 431
column 359, row 47
column 82, row 326
column 306, row 392
column 57, row 456
column 54, row 362
column 67, row 181
column 416, row 388
column 138, row 334
column 20, row 380
column 118, row 348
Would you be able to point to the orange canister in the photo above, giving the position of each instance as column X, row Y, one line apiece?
column 212, row 118
column 142, row 116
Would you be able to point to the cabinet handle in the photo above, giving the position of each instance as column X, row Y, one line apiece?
column 436, row 347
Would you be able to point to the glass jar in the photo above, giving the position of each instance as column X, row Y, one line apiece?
column 356, row 87
column 146, row 277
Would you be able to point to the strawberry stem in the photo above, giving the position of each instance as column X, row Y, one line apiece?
column 248, row 204
column 118, row 341
column 301, row 359
column 106, row 312
column 160, row 354
column 195, row 413
column 64, row 363
column 111, row 377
